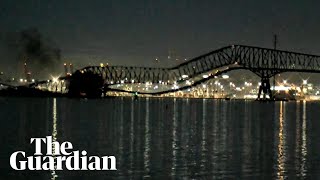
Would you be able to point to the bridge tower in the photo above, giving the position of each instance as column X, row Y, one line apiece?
column 265, row 88
column 265, row 85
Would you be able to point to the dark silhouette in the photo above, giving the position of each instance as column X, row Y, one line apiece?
column 85, row 84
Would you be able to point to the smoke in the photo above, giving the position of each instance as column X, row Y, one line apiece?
column 41, row 54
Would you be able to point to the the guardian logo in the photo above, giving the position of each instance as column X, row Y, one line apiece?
column 59, row 157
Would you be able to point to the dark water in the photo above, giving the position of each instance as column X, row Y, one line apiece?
column 169, row 138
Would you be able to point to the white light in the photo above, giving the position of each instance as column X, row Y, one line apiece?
column 284, row 81
column 305, row 82
column 175, row 87
column 122, row 81
column 225, row 76
column 238, row 89
column 205, row 76
column 204, row 86
column 188, row 82
column 21, row 80
column 184, row 76
column 132, row 81
column 54, row 79
column 32, row 80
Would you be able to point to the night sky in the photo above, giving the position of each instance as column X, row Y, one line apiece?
column 127, row 32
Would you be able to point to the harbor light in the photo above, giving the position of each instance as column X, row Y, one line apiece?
column 205, row 76
column 225, row 76
column 55, row 79
column 305, row 82
column 184, row 76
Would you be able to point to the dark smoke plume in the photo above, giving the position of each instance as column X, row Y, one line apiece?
column 41, row 54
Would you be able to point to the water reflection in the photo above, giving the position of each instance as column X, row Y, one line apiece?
column 281, row 145
column 178, row 138
column 132, row 137
column 54, row 174
column 174, row 138
column 147, row 142
column 304, row 140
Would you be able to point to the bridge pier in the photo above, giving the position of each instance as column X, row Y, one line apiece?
column 265, row 89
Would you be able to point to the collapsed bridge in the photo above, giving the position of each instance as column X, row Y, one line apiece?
column 264, row 62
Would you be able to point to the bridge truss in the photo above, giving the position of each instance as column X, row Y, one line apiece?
column 263, row 62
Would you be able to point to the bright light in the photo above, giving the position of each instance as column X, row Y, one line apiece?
column 284, row 81
column 205, row 76
column 305, row 82
column 32, row 80
column 55, row 79
column 225, row 76
column 175, row 87
column 204, row 86
column 184, row 76
column 280, row 88
column 21, row 80
column 101, row 65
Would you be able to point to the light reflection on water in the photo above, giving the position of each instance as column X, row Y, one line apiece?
column 165, row 138
column 54, row 133
column 281, row 145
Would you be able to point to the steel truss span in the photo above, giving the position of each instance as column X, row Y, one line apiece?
column 262, row 61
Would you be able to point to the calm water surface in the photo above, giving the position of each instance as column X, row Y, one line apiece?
column 169, row 138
